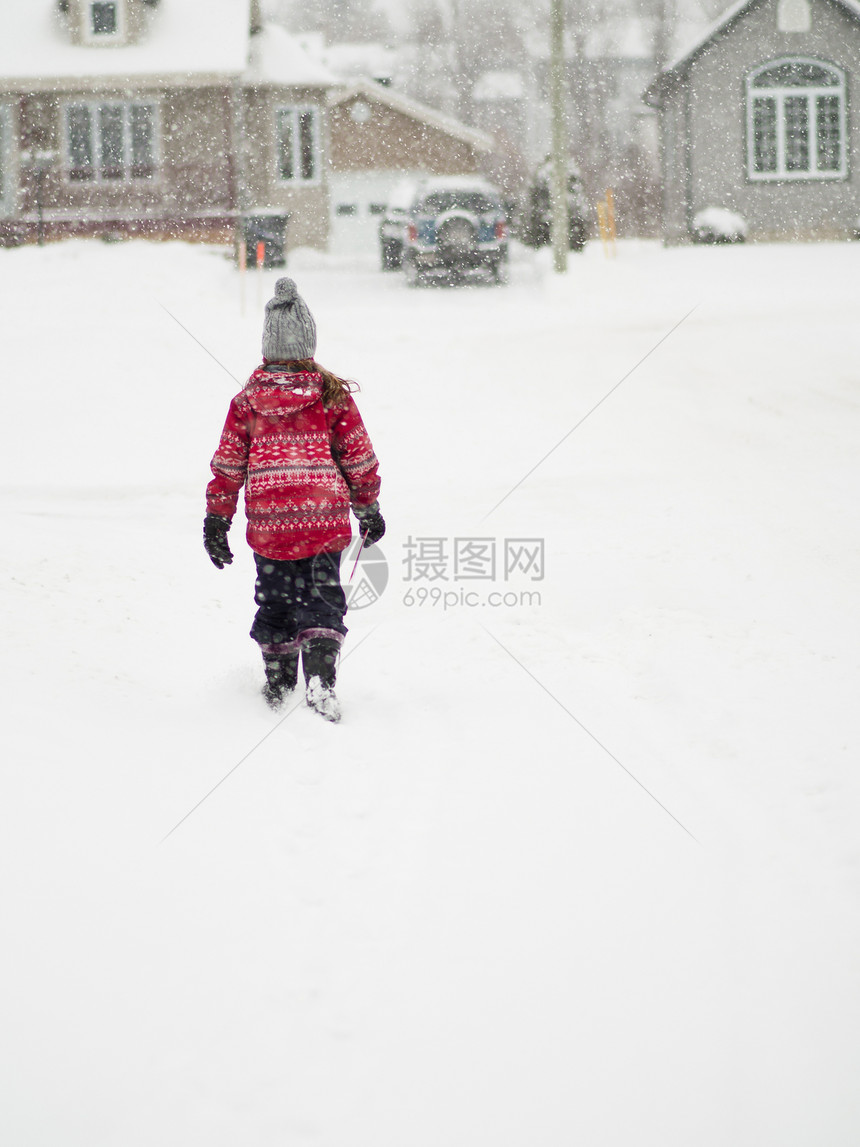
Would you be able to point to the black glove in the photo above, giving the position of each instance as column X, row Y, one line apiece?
column 215, row 540
column 371, row 523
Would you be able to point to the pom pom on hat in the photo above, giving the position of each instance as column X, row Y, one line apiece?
column 289, row 330
column 286, row 290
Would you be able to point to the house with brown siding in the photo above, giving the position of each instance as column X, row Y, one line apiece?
column 162, row 118
column 378, row 138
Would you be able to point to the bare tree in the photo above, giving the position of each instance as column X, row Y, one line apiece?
column 359, row 21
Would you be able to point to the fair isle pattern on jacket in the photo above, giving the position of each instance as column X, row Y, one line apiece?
column 302, row 465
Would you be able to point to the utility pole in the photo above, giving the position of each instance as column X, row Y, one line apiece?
column 558, row 189
column 456, row 34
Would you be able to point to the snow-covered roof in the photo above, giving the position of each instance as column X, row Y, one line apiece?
column 378, row 93
column 439, row 184
column 704, row 37
column 621, row 38
column 350, row 61
column 186, row 39
column 276, row 57
column 498, row 86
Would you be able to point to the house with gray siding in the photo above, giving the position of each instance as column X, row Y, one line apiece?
column 761, row 117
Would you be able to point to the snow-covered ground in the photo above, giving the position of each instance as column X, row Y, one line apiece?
column 576, row 868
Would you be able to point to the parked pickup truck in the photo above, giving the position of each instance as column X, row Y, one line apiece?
column 457, row 226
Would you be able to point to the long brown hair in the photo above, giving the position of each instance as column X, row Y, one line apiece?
column 335, row 389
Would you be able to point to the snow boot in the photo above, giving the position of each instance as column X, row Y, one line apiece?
column 319, row 664
column 282, row 674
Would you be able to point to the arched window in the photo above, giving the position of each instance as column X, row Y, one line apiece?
column 796, row 121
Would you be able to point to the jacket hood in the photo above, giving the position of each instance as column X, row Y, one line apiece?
column 278, row 392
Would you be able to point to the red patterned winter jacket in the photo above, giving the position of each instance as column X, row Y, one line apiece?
column 302, row 465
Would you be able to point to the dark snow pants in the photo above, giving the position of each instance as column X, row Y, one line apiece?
column 296, row 600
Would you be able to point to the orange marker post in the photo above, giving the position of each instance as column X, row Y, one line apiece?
column 261, row 257
column 243, row 266
column 602, row 224
column 610, row 217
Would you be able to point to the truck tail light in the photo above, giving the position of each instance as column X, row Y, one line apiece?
column 412, row 233
column 501, row 229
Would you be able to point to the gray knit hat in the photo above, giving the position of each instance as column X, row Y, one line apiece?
column 289, row 331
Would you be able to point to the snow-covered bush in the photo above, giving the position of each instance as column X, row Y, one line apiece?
column 718, row 225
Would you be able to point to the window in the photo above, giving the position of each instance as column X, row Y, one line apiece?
column 458, row 200
column 796, row 121
column 104, row 19
column 298, row 145
column 110, row 141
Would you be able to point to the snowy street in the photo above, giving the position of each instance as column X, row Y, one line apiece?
column 580, row 865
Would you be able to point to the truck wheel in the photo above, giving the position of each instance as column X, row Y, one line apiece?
column 411, row 273
column 392, row 255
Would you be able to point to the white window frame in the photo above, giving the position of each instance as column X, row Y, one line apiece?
column 98, row 176
column 91, row 37
column 295, row 111
column 810, row 93
column 8, row 184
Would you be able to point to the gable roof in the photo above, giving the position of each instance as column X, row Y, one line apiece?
column 676, row 70
column 378, row 93
column 276, row 57
column 184, row 39
column 351, row 61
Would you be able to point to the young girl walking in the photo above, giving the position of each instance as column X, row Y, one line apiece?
column 295, row 440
